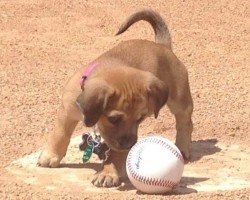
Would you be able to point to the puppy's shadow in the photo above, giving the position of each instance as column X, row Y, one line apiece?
column 94, row 166
column 199, row 149
column 182, row 188
column 202, row 148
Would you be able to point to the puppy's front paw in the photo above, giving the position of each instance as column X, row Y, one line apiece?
column 106, row 179
column 48, row 159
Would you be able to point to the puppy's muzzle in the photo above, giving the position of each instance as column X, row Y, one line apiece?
column 127, row 141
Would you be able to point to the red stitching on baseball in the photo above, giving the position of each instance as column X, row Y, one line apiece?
column 153, row 181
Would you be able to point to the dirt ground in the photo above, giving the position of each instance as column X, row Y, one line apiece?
column 43, row 42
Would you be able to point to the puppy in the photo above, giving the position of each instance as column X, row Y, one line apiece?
column 119, row 90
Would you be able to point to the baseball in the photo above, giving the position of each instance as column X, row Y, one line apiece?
column 154, row 165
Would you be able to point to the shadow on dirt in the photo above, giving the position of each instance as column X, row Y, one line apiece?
column 202, row 148
column 199, row 148
column 94, row 166
column 178, row 191
column 181, row 189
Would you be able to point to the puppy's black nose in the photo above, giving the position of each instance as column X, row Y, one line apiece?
column 127, row 141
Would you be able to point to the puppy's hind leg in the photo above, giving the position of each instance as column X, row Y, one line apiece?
column 182, row 109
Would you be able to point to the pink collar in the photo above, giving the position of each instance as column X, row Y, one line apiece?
column 87, row 73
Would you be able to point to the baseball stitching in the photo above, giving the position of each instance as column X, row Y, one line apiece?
column 154, row 181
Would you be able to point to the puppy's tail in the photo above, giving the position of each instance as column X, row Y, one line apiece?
column 161, row 30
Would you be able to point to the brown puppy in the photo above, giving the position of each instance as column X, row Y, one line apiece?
column 128, row 83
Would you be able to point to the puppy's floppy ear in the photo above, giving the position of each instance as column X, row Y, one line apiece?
column 93, row 100
column 157, row 93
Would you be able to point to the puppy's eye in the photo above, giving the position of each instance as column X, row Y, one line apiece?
column 114, row 119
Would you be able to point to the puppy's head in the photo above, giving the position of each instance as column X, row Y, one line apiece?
column 119, row 101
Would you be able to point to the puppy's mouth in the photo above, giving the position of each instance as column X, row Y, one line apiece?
column 121, row 144
column 119, row 141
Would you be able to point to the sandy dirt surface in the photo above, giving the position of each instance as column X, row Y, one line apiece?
column 42, row 44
